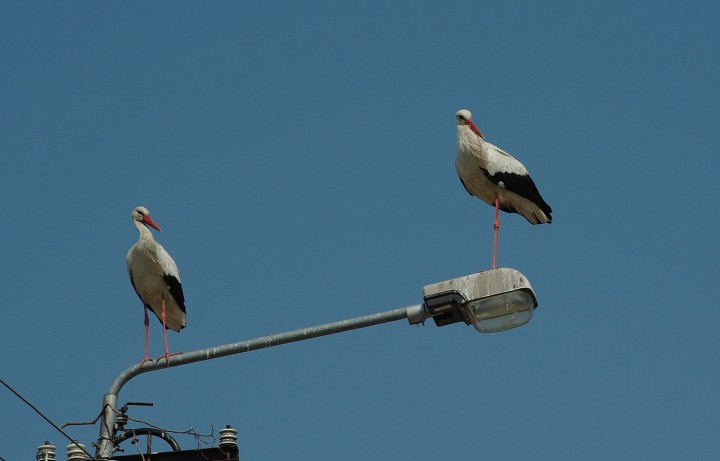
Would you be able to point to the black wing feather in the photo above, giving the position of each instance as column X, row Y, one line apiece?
column 176, row 291
column 523, row 185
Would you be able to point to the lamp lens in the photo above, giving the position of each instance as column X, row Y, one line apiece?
column 501, row 312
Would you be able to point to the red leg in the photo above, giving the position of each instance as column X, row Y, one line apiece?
column 497, row 231
column 147, row 339
column 167, row 350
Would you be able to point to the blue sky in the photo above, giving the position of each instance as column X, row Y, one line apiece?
column 299, row 157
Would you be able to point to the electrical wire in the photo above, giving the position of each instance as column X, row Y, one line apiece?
column 135, row 443
column 44, row 417
column 192, row 432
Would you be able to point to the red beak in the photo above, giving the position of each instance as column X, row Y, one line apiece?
column 148, row 220
column 474, row 128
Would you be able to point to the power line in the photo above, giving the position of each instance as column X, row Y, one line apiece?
column 45, row 417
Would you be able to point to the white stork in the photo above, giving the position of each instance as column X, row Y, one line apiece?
column 496, row 177
column 156, row 280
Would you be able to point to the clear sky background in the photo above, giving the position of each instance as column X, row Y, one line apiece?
column 299, row 157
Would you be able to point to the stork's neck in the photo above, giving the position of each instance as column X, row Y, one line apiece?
column 145, row 234
column 468, row 139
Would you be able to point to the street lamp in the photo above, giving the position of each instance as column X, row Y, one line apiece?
column 492, row 301
column 495, row 300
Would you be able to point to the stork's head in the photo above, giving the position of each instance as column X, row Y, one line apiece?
column 463, row 117
column 142, row 215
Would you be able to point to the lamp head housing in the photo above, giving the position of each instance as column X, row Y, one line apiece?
column 492, row 301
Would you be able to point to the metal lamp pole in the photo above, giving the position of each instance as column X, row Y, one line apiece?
column 416, row 313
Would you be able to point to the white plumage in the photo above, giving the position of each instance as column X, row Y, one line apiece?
column 155, row 278
column 490, row 173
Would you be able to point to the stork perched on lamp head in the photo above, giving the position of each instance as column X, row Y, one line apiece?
column 156, row 280
column 496, row 177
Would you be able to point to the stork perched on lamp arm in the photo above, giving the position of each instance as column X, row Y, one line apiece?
column 496, row 177
column 156, row 280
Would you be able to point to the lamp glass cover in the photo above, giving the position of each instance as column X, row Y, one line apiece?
column 501, row 312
